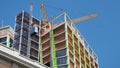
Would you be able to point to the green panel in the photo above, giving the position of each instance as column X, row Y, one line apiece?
column 73, row 48
column 66, row 37
column 41, row 60
column 79, row 51
column 8, row 41
column 85, row 60
column 53, row 54
column 84, row 56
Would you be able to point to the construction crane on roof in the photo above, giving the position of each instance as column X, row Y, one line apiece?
column 45, row 16
column 84, row 18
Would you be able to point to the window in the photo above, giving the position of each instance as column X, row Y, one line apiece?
column 24, row 40
column 61, row 53
column 3, row 39
column 24, row 48
column 61, row 60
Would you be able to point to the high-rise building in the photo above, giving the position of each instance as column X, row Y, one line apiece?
column 62, row 46
column 6, row 36
column 26, row 39
column 56, row 43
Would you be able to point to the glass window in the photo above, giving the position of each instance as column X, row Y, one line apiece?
column 61, row 60
column 24, row 48
column 4, row 39
column 61, row 53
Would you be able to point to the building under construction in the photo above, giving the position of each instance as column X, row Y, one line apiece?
column 55, row 44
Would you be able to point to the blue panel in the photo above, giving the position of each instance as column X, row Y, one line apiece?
column 61, row 60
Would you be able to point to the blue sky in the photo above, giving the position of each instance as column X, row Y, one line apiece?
column 102, row 33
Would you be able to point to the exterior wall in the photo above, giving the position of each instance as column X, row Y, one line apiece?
column 63, row 49
column 54, row 46
column 79, row 55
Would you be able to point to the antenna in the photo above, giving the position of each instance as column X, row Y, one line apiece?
column 31, row 11
column 2, row 23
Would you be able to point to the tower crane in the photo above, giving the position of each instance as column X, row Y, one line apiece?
column 45, row 16
column 76, row 20
column 84, row 18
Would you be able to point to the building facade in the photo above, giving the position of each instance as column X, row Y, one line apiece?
column 57, row 45
column 62, row 46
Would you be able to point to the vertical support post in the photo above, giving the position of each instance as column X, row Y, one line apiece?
column 67, row 52
column 73, row 48
column 8, row 41
column 65, row 17
column 29, row 36
column 14, row 32
column 21, row 32
column 40, row 45
column 79, row 53
column 53, row 53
